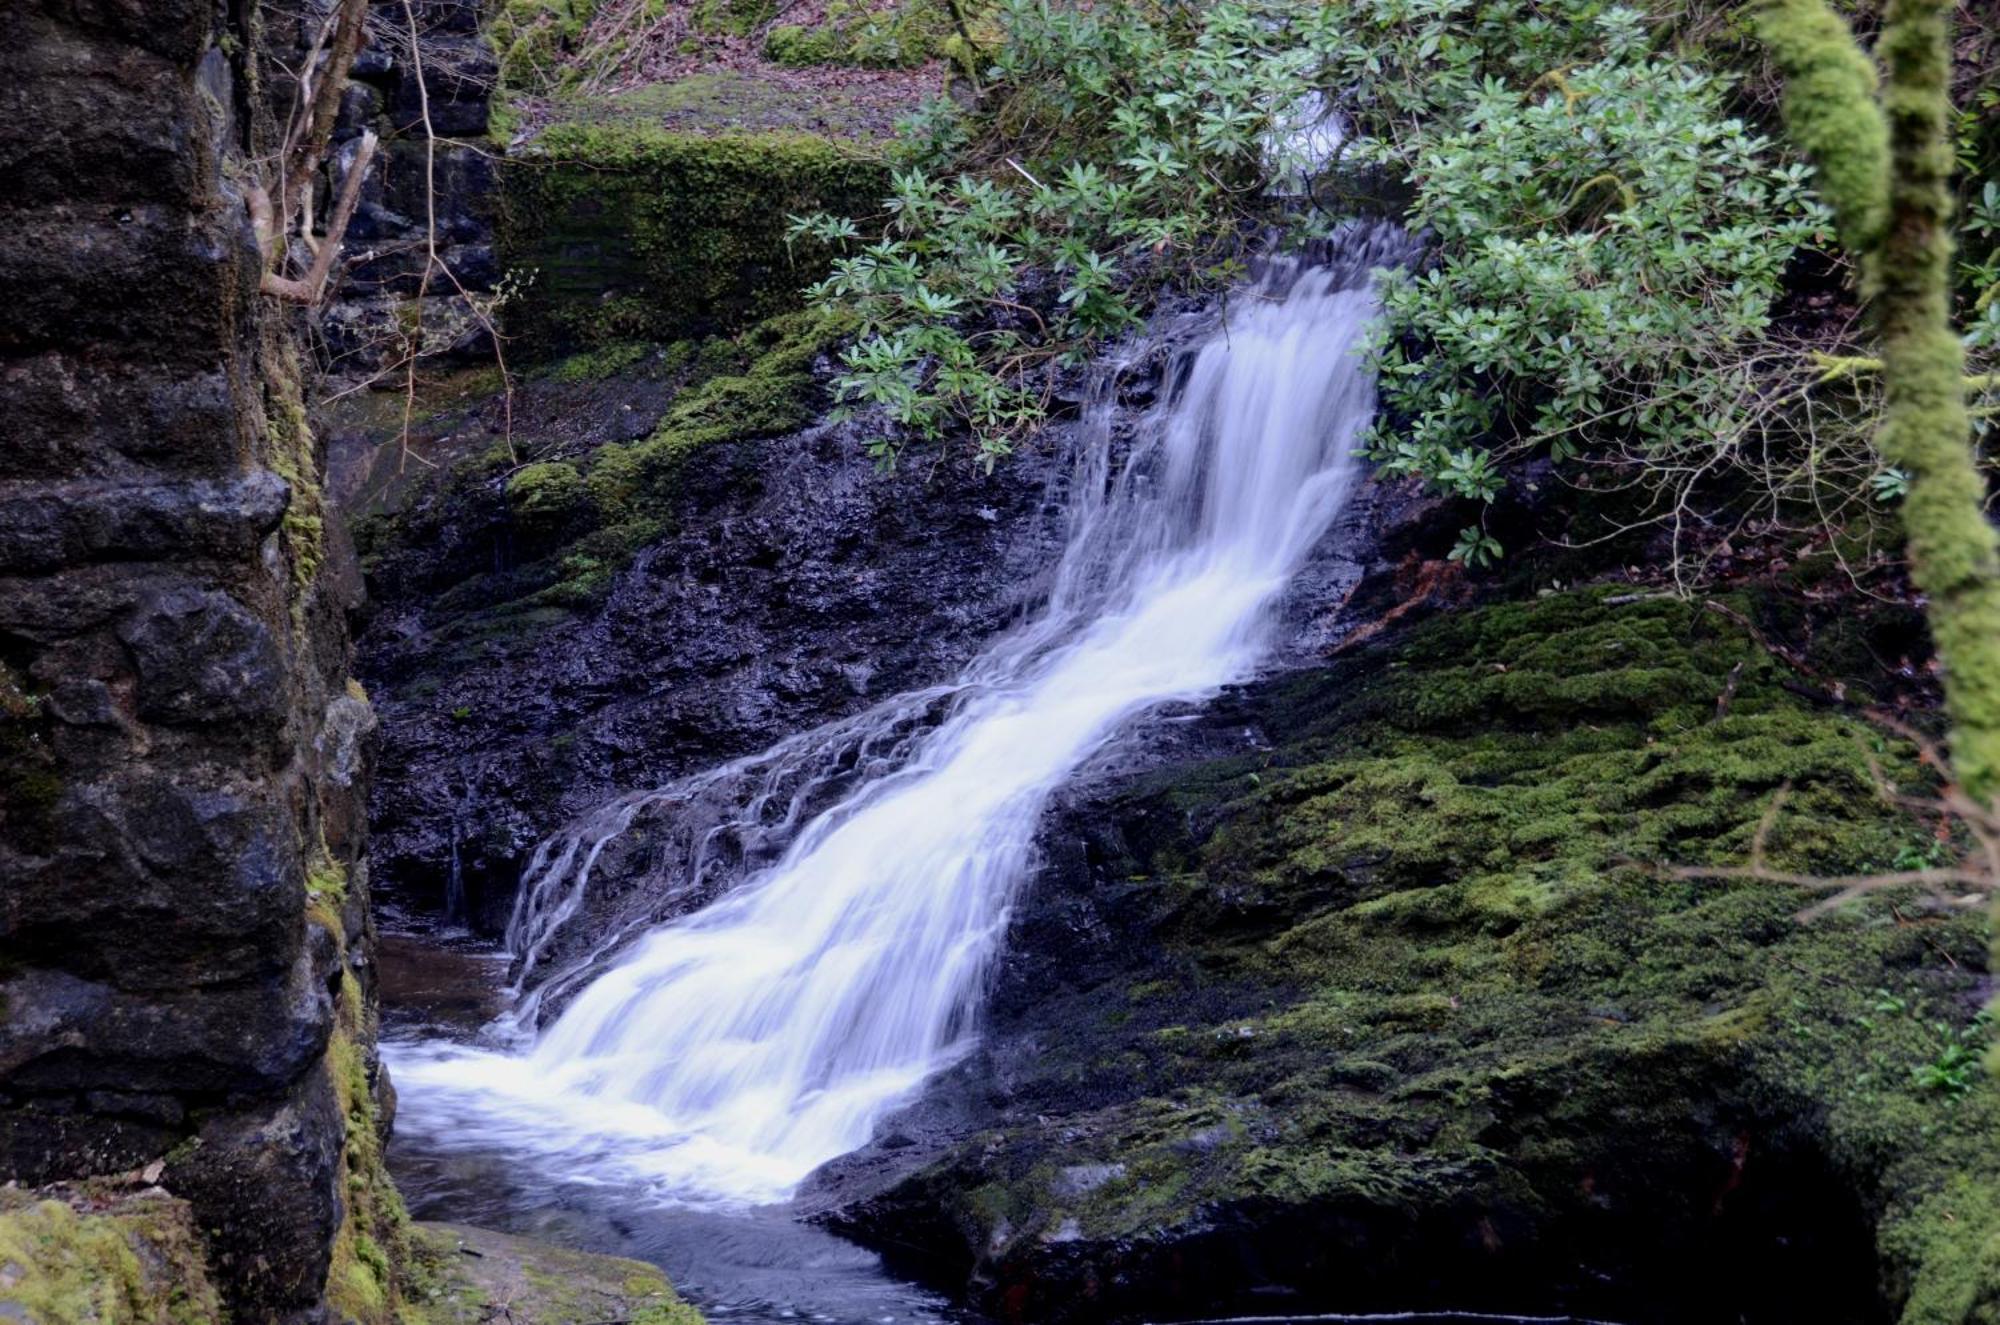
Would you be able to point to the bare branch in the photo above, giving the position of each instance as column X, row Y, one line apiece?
column 309, row 289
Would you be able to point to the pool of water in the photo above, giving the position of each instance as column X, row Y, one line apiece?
column 759, row 1267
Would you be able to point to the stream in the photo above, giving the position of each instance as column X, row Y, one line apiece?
column 846, row 892
column 753, row 1267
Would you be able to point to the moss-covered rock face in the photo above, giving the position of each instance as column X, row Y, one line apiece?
column 634, row 233
column 503, row 536
column 95, row 1255
column 1405, row 1010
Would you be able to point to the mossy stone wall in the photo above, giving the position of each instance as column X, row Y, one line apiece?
column 187, row 760
column 634, row 233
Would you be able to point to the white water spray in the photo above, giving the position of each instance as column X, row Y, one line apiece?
column 730, row 1052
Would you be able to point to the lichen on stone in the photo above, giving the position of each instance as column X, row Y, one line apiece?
column 636, row 233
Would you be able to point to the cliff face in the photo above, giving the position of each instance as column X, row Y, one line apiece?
column 184, row 948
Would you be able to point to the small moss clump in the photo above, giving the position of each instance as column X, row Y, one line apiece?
column 596, row 365
column 375, row 1276
column 570, row 525
column 866, row 35
column 735, row 18
column 772, row 392
column 545, row 498
column 530, row 38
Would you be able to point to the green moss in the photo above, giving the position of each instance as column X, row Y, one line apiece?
column 639, row 234
column 1953, row 1240
column 478, row 1275
column 735, row 18
column 130, row 1261
column 292, row 454
column 375, row 1274
column 1886, row 167
column 1830, row 109
column 799, row 46
column 531, row 37
column 1429, row 956
column 596, row 365
column 575, row 523
column 545, row 498
column 772, row 393
column 866, row 35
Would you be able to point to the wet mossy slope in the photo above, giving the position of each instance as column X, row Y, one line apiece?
column 1405, row 1009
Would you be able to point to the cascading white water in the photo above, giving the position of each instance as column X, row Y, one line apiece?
column 727, row 1054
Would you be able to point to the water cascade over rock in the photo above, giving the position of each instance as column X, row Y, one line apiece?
column 722, row 1057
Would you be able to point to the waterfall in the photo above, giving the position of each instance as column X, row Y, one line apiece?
column 725, row 1054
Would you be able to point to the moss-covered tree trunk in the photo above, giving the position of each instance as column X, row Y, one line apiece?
column 1953, row 548
column 1885, row 165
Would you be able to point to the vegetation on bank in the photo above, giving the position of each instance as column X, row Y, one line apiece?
column 1627, row 269
column 100, row 1253
column 1446, row 886
column 560, row 47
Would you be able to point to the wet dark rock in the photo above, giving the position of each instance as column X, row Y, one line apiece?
column 267, row 1182
column 54, row 526
column 256, row 1038
column 160, row 884
column 455, row 92
column 202, row 657
column 113, row 129
column 798, row 584
column 70, row 415
column 180, row 754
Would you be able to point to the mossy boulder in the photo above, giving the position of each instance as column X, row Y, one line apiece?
column 1419, row 1007
column 476, row 1275
column 93, row 1255
column 635, row 233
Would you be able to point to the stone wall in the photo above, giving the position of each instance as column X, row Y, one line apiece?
column 634, row 233
column 184, row 952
